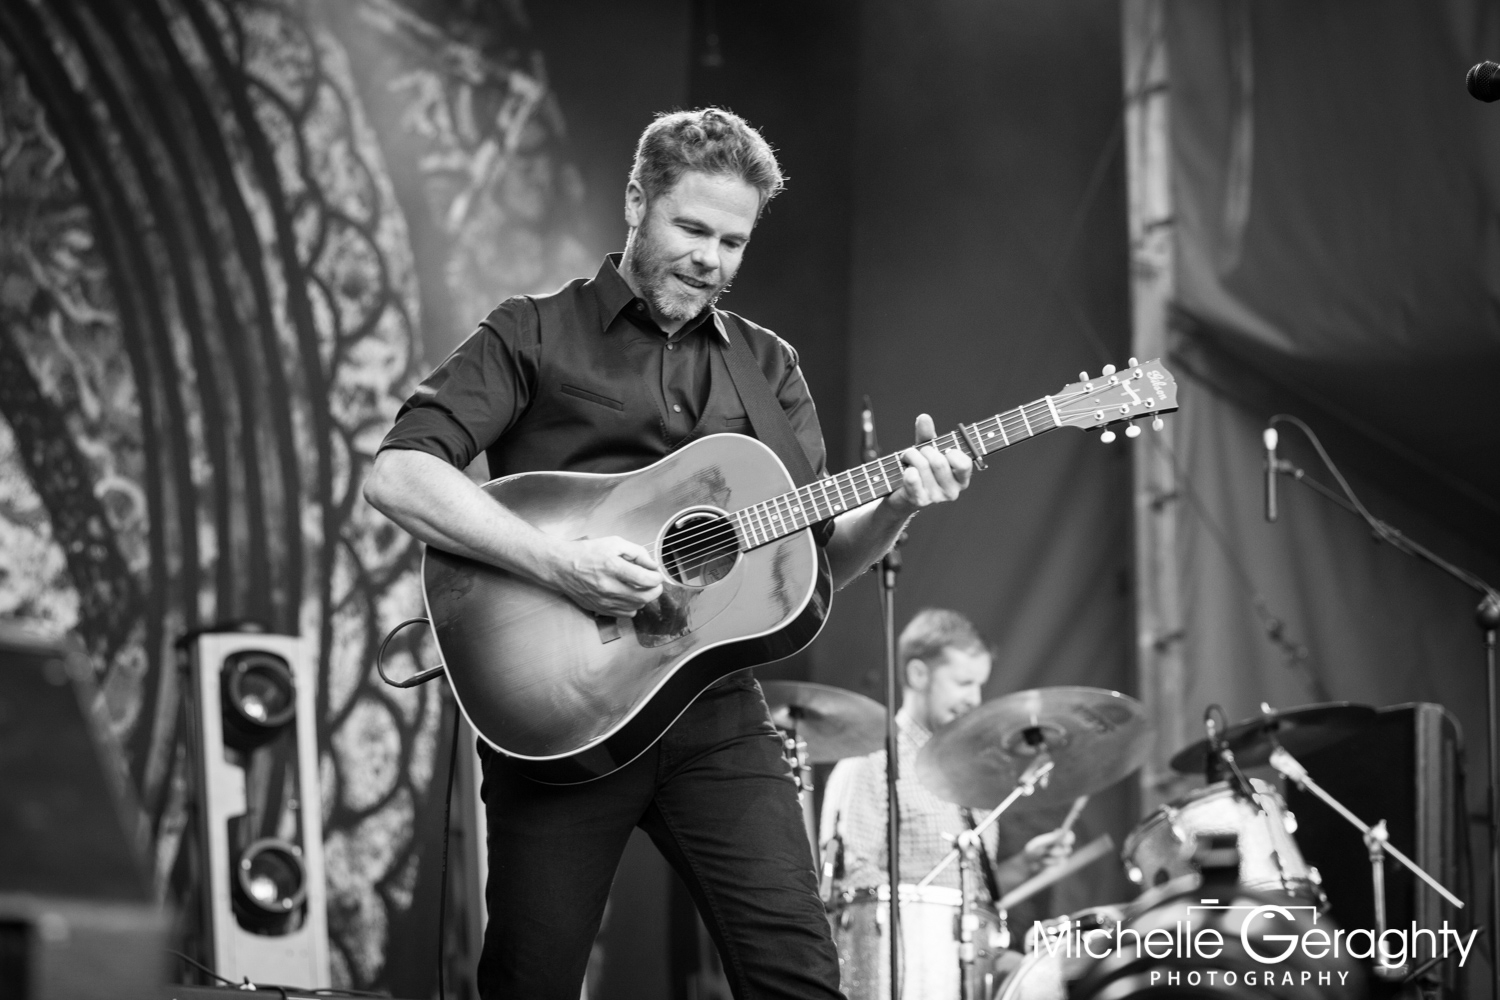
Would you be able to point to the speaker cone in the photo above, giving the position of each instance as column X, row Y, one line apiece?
column 270, row 885
column 259, row 698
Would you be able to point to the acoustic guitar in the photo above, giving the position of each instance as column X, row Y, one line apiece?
column 571, row 696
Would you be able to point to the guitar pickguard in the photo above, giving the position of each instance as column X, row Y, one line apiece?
column 680, row 611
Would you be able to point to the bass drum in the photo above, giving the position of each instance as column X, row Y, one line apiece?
column 1043, row 974
column 929, row 953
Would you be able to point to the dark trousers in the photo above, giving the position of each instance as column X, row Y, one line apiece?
column 717, row 797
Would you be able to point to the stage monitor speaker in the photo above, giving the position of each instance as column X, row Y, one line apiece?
column 1406, row 769
column 77, row 915
column 260, row 832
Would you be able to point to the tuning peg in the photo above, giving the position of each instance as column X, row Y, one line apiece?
column 1157, row 424
column 1108, row 370
column 1133, row 431
column 1083, row 376
column 1131, row 363
column 1107, row 436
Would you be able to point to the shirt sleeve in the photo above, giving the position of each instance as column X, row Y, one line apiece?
column 477, row 393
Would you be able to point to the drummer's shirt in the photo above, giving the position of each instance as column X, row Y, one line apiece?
column 854, row 808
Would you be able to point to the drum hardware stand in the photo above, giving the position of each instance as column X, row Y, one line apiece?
column 1376, row 840
column 963, row 845
column 1031, row 779
column 796, row 751
column 966, row 844
column 1487, row 616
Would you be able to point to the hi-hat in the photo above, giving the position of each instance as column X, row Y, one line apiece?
column 1300, row 730
column 834, row 722
column 1094, row 737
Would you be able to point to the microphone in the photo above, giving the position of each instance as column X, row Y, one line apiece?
column 1269, row 436
column 869, row 447
column 1213, row 763
column 1484, row 81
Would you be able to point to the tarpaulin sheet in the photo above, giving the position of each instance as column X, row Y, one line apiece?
column 1337, row 257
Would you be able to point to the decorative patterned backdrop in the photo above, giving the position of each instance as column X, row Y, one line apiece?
column 227, row 228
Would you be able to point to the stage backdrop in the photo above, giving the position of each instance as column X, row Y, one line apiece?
column 1336, row 226
column 223, row 245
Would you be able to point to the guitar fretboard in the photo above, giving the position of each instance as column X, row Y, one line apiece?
column 762, row 523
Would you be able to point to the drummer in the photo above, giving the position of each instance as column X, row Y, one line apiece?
column 944, row 665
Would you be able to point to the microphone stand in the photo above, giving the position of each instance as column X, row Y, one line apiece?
column 890, row 566
column 1486, row 615
column 1377, row 841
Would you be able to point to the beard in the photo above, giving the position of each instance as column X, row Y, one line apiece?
column 655, row 271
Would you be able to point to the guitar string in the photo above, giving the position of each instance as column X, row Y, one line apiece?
column 717, row 529
column 697, row 549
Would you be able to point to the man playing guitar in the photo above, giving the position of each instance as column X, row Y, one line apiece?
column 608, row 375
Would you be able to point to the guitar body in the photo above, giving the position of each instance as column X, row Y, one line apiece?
column 571, row 697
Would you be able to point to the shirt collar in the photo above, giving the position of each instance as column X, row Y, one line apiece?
column 914, row 730
column 616, row 297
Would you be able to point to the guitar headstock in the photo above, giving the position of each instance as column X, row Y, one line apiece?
column 1135, row 391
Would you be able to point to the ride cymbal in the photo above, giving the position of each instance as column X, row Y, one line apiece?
column 834, row 723
column 1094, row 737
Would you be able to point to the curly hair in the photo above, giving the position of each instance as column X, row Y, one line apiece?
column 934, row 631
column 710, row 140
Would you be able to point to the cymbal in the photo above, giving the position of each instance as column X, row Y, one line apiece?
column 834, row 722
column 1300, row 730
column 1095, row 737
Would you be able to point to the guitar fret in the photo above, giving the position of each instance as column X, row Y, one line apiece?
column 801, row 508
column 786, row 515
column 846, row 481
column 1022, row 411
column 831, row 504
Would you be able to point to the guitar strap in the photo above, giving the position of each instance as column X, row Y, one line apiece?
column 767, row 418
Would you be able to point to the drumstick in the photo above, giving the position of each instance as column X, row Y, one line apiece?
column 1082, row 858
column 1073, row 813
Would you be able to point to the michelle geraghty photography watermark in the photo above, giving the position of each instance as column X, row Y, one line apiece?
column 1270, row 934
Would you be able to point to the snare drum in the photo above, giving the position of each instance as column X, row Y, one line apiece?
column 1161, row 847
column 929, row 953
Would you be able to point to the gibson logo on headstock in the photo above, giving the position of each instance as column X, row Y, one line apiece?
column 1157, row 380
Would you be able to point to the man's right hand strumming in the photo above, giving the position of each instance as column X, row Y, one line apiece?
column 607, row 576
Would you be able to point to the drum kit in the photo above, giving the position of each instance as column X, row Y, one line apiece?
column 1047, row 748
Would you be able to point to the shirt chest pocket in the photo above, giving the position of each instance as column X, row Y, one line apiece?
column 592, row 396
column 738, row 424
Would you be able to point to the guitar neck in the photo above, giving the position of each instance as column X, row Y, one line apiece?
column 762, row 523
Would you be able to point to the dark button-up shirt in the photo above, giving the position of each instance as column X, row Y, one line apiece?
column 584, row 381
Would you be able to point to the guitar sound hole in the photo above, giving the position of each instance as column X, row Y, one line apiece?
column 699, row 548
